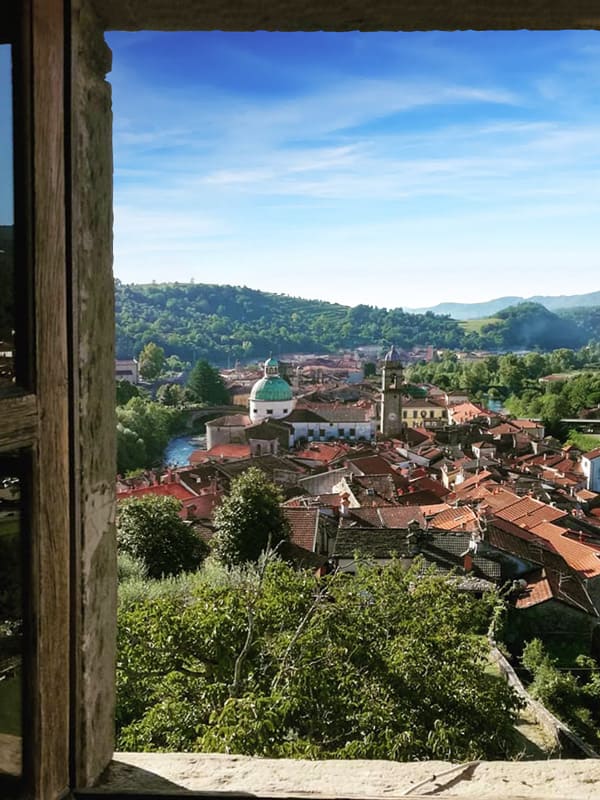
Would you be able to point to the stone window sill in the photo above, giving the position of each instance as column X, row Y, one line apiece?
column 173, row 774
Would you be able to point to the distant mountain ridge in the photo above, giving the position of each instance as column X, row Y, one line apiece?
column 464, row 311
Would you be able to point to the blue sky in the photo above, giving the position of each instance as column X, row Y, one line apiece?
column 395, row 169
column 6, row 169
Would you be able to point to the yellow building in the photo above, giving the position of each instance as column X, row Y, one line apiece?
column 422, row 412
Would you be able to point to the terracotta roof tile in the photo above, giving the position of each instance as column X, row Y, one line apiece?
column 538, row 590
column 456, row 519
column 501, row 498
column 400, row 516
column 372, row 465
column 323, row 452
column 175, row 490
column 229, row 451
column 583, row 557
column 428, row 484
column 431, row 509
column 303, row 526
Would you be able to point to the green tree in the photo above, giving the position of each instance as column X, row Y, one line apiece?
column 249, row 519
column 151, row 361
column 511, row 373
column 170, row 394
column 143, row 430
column 369, row 369
column 150, row 529
column 206, row 385
column 265, row 661
column 125, row 391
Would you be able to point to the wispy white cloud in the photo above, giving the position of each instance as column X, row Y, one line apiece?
column 387, row 168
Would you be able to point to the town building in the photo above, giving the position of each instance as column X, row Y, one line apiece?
column 271, row 396
column 127, row 370
column 391, row 394
column 423, row 412
column 590, row 463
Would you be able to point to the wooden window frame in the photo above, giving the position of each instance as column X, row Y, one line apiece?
column 66, row 418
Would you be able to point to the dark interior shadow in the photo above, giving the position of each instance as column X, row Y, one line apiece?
column 133, row 783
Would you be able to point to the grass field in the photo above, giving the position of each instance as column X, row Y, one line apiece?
column 475, row 325
column 585, row 441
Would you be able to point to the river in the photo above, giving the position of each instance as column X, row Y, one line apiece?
column 179, row 450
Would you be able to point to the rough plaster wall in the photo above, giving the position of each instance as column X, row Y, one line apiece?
column 93, row 316
column 348, row 14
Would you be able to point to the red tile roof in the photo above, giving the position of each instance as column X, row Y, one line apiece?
column 504, row 429
column 581, row 556
column 428, row 484
column 523, row 506
column 463, row 412
column 303, row 526
column 473, row 494
column 474, row 480
column 204, row 506
column 537, row 591
column 591, row 454
column 456, row 519
column 501, row 498
column 175, row 490
column 400, row 516
column 323, row 452
column 224, row 451
column 527, row 423
column 373, row 465
column 431, row 510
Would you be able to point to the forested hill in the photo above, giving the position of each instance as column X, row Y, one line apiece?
column 220, row 323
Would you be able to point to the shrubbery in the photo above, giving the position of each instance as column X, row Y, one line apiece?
column 265, row 660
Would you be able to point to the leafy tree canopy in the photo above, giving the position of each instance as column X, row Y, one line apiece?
column 265, row 661
column 125, row 391
column 205, row 385
column 170, row 394
column 143, row 431
column 249, row 519
column 150, row 529
column 151, row 361
column 220, row 323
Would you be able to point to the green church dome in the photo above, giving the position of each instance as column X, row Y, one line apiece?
column 271, row 388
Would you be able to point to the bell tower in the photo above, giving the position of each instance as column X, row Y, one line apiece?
column 391, row 394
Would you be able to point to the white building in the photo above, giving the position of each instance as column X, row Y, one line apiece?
column 126, row 370
column 271, row 397
column 590, row 463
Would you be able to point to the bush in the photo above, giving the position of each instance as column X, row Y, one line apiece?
column 267, row 661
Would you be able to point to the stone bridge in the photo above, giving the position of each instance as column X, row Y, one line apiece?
column 193, row 414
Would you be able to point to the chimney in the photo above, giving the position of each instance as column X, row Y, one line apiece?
column 467, row 562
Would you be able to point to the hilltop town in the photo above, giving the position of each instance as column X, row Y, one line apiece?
column 373, row 470
column 373, row 466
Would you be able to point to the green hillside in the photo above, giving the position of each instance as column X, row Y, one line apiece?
column 221, row 323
